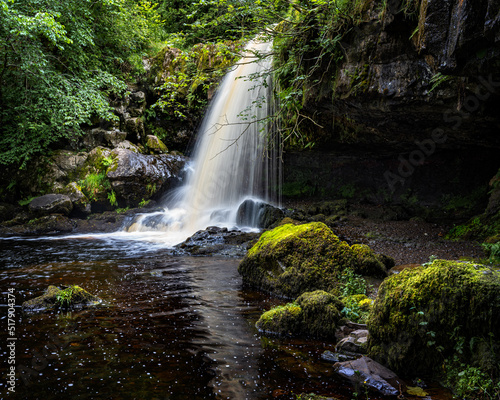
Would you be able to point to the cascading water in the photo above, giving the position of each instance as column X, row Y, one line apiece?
column 231, row 159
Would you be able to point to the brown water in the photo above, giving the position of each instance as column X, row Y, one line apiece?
column 170, row 328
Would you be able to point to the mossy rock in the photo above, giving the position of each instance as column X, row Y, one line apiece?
column 293, row 259
column 282, row 320
column 155, row 145
column 313, row 314
column 425, row 315
column 72, row 297
column 312, row 396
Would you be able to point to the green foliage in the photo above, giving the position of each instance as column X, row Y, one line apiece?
column 143, row 203
column 493, row 251
column 308, row 52
column 112, row 198
column 93, row 184
column 438, row 79
column 352, row 283
column 190, row 75
column 59, row 63
column 215, row 20
column 64, row 298
column 356, row 308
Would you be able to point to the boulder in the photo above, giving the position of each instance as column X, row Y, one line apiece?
column 424, row 315
column 258, row 214
column 81, row 204
column 58, row 170
column 135, row 128
column 356, row 342
column 292, row 259
column 51, row 204
column 72, row 297
column 135, row 177
column 114, row 138
column 48, row 224
column 313, row 314
column 155, row 145
column 365, row 372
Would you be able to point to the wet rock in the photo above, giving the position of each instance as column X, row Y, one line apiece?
column 135, row 128
column 114, row 138
column 51, row 204
column 366, row 372
column 49, row 224
column 135, row 177
column 72, row 297
column 331, row 357
column 313, row 314
column 258, row 214
column 312, row 396
column 422, row 314
column 81, row 204
column 293, row 259
column 356, row 342
column 218, row 241
column 155, row 145
column 128, row 146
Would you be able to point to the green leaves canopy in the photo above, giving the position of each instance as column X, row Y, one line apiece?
column 59, row 62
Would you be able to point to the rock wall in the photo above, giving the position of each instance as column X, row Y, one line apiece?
column 402, row 77
column 410, row 115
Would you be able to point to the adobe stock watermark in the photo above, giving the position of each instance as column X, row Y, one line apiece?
column 427, row 147
column 11, row 340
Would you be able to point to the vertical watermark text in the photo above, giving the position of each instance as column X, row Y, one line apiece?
column 11, row 340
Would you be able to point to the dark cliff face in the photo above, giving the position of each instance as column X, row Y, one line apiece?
column 412, row 114
column 402, row 77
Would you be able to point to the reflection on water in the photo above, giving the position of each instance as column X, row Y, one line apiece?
column 170, row 328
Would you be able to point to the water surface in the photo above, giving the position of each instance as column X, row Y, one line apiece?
column 169, row 327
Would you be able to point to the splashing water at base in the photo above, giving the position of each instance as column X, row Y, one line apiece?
column 231, row 160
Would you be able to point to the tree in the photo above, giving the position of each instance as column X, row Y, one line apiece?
column 59, row 62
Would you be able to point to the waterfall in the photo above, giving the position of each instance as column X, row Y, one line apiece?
column 232, row 161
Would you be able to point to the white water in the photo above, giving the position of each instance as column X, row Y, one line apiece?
column 231, row 160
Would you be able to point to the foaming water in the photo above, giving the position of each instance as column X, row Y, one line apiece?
column 231, row 158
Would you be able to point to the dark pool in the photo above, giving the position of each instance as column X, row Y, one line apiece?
column 170, row 328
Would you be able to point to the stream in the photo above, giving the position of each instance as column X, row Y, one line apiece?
column 170, row 327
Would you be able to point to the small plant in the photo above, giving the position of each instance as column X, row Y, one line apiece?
column 112, row 198
column 143, row 202
column 432, row 258
column 64, row 298
column 493, row 250
column 107, row 161
column 25, row 202
column 352, row 283
column 438, row 79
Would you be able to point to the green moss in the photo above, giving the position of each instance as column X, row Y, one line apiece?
column 155, row 145
column 283, row 320
column 69, row 298
column 420, row 314
column 357, row 307
column 313, row 314
column 293, row 259
column 478, row 228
